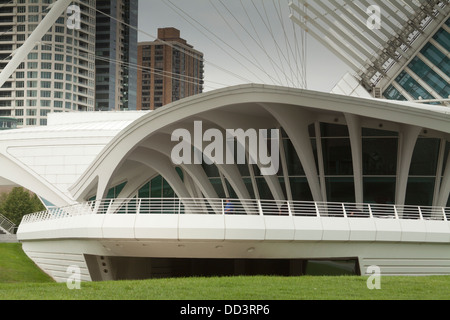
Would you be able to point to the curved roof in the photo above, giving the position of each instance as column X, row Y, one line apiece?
column 49, row 159
column 146, row 142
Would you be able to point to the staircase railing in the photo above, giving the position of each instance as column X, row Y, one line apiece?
column 6, row 225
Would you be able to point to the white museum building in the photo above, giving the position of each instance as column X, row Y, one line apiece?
column 359, row 177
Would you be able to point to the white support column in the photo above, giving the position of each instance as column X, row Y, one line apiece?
column 163, row 166
column 295, row 122
column 195, row 171
column 445, row 186
column 354, row 128
column 224, row 120
column 407, row 143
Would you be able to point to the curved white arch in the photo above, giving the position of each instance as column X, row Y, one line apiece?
column 12, row 171
column 293, row 109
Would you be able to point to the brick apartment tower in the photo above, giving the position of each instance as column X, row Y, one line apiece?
column 170, row 70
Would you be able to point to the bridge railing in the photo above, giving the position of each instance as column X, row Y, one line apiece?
column 243, row 207
column 6, row 225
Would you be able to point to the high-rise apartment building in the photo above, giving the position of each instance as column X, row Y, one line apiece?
column 59, row 74
column 116, row 50
column 169, row 69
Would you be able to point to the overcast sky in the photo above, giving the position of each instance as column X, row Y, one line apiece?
column 244, row 41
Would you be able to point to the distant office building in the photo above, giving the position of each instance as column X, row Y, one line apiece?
column 116, row 50
column 170, row 69
column 59, row 74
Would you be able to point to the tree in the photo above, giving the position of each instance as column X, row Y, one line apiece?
column 18, row 203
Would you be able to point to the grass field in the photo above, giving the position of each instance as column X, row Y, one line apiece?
column 21, row 280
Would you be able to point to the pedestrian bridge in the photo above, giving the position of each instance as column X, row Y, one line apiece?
column 132, row 238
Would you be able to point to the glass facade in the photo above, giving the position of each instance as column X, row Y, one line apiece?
column 380, row 155
column 427, row 74
column 116, row 83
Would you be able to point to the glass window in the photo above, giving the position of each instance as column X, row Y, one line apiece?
column 263, row 189
column 218, row 187
column 420, row 191
column 333, row 130
column 379, row 190
column 340, row 189
column 436, row 57
column 379, row 156
column 392, row 93
column 428, row 75
column 413, row 87
column 425, row 157
column 294, row 166
column 443, row 38
column 337, row 156
column 144, row 192
column 156, row 190
column 300, row 189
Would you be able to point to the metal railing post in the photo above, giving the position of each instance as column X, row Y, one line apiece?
column 344, row 211
column 396, row 213
column 420, row 213
column 289, row 208
column 370, row 210
column 317, row 209
column 261, row 213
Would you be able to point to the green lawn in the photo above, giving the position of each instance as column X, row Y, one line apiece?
column 16, row 267
column 21, row 280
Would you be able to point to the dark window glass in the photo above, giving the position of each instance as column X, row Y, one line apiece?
column 300, row 189
column 443, row 38
column 218, row 187
column 392, row 93
column 436, row 57
column 340, row 189
column 294, row 166
column 420, row 191
column 413, row 87
column 144, row 192
column 379, row 190
column 379, row 156
column 369, row 132
column 337, row 156
column 425, row 157
column 428, row 75
column 263, row 189
column 211, row 170
column 156, row 185
column 333, row 130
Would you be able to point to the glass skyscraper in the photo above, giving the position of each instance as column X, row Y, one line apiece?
column 116, row 50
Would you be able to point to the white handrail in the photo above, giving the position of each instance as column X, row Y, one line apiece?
column 6, row 224
column 243, row 207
